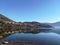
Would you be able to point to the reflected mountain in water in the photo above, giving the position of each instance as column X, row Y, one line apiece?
column 44, row 37
column 39, row 37
column 6, row 34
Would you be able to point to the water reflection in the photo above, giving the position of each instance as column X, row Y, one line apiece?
column 41, row 37
column 37, row 31
column 6, row 34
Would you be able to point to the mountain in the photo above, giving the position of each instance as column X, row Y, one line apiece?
column 7, row 24
column 5, row 19
column 38, row 24
column 54, row 24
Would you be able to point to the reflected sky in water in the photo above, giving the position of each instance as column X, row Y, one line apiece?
column 44, row 38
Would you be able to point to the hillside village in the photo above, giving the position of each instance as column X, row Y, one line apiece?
column 7, row 24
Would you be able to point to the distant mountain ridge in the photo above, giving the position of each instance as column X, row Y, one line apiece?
column 54, row 24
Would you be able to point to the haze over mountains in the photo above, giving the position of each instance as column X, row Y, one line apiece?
column 54, row 24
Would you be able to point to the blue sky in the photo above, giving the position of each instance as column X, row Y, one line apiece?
column 31, row 10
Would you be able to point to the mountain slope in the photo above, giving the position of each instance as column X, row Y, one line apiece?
column 3, row 18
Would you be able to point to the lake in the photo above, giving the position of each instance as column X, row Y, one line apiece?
column 51, row 37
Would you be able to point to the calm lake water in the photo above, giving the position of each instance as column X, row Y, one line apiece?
column 51, row 37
